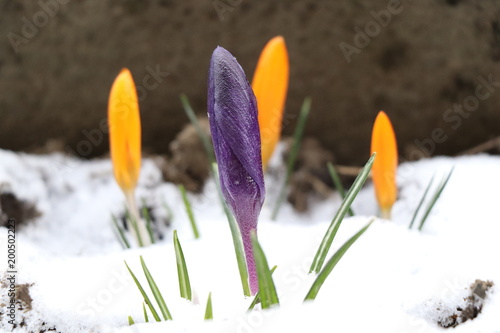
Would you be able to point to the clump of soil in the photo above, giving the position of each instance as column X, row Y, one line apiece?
column 474, row 304
column 24, row 304
column 23, row 297
column 189, row 164
column 310, row 176
column 13, row 208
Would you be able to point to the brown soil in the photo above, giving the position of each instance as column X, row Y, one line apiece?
column 12, row 207
column 189, row 164
column 474, row 305
column 430, row 56
column 310, row 177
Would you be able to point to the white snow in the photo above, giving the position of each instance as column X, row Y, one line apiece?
column 391, row 280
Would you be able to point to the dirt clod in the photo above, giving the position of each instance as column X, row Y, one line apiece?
column 23, row 296
column 189, row 163
column 310, row 176
column 474, row 305
column 12, row 207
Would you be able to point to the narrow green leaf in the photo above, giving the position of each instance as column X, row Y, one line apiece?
column 147, row 217
column 189, row 211
column 146, row 319
column 208, row 310
column 421, row 202
column 330, row 265
column 435, row 198
column 130, row 321
column 144, row 295
column 170, row 213
column 324, row 247
column 268, row 295
column 202, row 135
column 206, row 144
column 182, row 272
column 338, row 184
column 156, row 292
column 236, row 235
column 120, row 233
column 256, row 299
column 294, row 151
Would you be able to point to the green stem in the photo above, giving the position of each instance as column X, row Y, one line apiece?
column 294, row 151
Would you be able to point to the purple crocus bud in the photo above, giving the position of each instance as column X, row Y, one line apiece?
column 232, row 112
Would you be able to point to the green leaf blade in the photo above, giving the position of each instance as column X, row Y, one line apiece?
column 182, row 272
column 267, row 289
column 156, row 292
column 201, row 134
column 208, row 310
column 417, row 210
column 326, row 243
column 256, row 299
column 147, row 217
column 146, row 318
column 435, row 198
column 330, row 265
column 338, row 184
column 144, row 295
column 189, row 211
column 121, row 233
column 294, row 151
column 236, row 236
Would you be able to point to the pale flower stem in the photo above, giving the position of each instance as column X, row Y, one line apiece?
column 143, row 236
column 385, row 213
column 250, row 259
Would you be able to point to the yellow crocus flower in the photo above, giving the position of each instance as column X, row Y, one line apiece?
column 125, row 131
column 270, row 85
column 385, row 165
column 125, row 145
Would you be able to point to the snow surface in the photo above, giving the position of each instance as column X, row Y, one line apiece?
column 391, row 280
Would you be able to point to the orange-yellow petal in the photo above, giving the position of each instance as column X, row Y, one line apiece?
column 125, row 131
column 270, row 86
column 386, row 162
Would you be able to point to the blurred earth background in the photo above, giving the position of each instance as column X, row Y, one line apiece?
column 432, row 65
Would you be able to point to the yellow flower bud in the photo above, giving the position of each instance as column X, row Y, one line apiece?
column 385, row 165
column 270, row 85
column 125, row 131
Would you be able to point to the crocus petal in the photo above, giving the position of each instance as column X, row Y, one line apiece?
column 385, row 165
column 232, row 112
column 270, row 85
column 125, row 131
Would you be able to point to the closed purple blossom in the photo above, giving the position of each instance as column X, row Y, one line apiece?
column 232, row 112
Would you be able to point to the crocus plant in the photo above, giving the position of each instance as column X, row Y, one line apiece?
column 270, row 85
column 125, row 144
column 384, row 167
column 232, row 112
